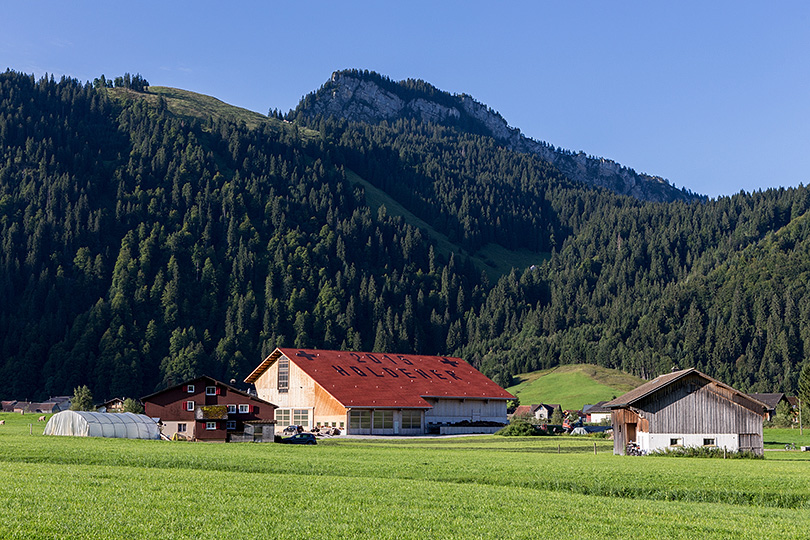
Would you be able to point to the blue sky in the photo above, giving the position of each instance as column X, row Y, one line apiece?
column 714, row 96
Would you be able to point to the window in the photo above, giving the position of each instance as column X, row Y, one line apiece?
column 383, row 419
column 230, row 424
column 342, row 424
column 190, row 388
column 708, row 442
column 211, row 391
column 189, row 405
column 360, row 420
column 283, row 417
column 411, row 419
column 300, row 417
column 181, row 428
column 231, row 409
column 676, row 442
column 244, row 408
column 210, row 425
column 283, row 374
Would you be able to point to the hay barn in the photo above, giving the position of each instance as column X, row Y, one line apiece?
column 687, row 409
column 380, row 394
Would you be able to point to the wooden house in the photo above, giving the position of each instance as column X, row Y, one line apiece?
column 377, row 393
column 205, row 409
column 687, row 408
column 112, row 405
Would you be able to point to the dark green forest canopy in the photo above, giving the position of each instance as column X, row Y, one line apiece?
column 141, row 248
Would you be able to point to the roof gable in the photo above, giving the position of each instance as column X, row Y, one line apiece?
column 770, row 399
column 651, row 387
column 361, row 379
column 202, row 381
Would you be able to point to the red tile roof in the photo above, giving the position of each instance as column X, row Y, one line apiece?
column 360, row 379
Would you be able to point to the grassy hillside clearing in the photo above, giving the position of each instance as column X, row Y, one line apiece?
column 471, row 487
column 493, row 259
column 573, row 386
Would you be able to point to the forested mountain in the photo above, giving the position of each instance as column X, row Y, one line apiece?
column 149, row 237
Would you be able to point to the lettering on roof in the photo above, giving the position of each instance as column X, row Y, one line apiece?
column 365, row 371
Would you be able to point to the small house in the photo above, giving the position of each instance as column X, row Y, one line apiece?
column 113, row 405
column 206, row 409
column 686, row 409
column 596, row 414
column 771, row 401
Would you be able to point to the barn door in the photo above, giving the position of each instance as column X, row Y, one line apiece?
column 631, row 432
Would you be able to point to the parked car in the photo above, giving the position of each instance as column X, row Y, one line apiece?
column 300, row 438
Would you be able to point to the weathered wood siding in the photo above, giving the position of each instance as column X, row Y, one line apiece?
column 626, row 425
column 691, row 406
column 694, row 405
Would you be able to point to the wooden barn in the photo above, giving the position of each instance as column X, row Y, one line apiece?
column 686, row 408
column 205, row 409
column 380, row 394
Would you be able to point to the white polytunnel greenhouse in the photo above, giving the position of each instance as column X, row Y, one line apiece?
column 94, row 424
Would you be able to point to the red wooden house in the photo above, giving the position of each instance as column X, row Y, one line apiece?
column 206, row 409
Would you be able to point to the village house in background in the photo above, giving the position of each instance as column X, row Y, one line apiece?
column 597, row 413
column 687, row 409
column 771, row 401
column 209, row 410
column 378, row 393
column 540, row 411
column 52, row 405
column 112, row 405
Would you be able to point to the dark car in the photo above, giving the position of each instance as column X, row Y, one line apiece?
column 300, row 438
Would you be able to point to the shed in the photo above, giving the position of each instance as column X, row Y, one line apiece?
column 95, row 424
column 687, row 408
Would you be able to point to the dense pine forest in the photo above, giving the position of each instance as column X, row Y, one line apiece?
column 143, row 245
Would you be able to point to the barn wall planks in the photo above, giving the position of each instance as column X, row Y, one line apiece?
column 692, row 405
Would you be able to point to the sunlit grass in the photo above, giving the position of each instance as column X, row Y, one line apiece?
column 467, row 487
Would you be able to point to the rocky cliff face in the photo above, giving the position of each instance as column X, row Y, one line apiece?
column 368, row 98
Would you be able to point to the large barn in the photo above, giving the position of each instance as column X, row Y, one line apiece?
column 380, row 394
column 686, row 409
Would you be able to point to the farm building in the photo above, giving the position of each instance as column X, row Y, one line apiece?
column 206, row 409
column 95, row 424
column 686, row 408
column 381, row 394
column 48, row 407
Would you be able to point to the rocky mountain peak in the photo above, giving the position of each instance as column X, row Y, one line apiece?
column 363, row 96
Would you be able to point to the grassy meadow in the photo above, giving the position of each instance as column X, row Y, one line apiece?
column 572, row 386
column 466, row 487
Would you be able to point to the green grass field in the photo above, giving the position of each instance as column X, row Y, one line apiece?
column 573, row 386
column 469, row 487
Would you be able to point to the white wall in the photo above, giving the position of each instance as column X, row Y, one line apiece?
column 660, row 441
column 458, row 410
column 599, row 417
